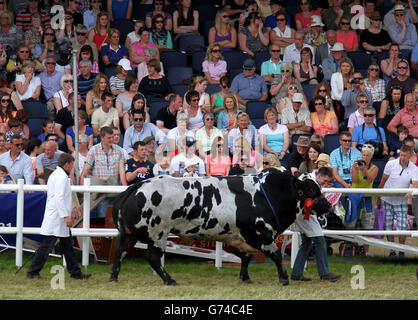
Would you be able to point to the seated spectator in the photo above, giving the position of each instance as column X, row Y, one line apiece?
column 199, row 84
column 271, row 69
column 305, row 15
column 375, row 85
column 69, row 27
column 368, row 131
column 187, row 158
column 83, row 150
column 395, row 145
column 85, row 80
column 139, row 168
column 340, row 81
column 150, row 147
column 117, row 82
column 274, row 137
column 296, row 118
column 74, row 9
column 5, row 177
column 375, row 39
column 83, row 128
column 15, row 127
column 48, row 127
column 28, row 86
column 47, row 161
column 323, row 51
column 363, row 174
column 113, row 52
column 296, row 157
column 138, row 103
column 86, row 53
column 243, row 128
column 309, row 164
column 124, row 99
column 407, row 117
column 154, row 86
column 18, row 163
column 33, row 36
column 206, row 135
column 3, row 145
column 270, row 21
column 356, row 118
column 389, row 64
column 99, row 34
column 323, row 121
column 10, row 35
column 402, row 32
column 355, row 86
column 305, row 71
column 133, row 36
column 65, row 119
column 61, row 96
column 346, row 36
column 217, row 99
column 104, row 116
column 119, row 9
column 292, row 53
column 409, row 142
column 249, row 85
column 282, row 35
column 137, row 49
column 140, row 130
column 23, row 116
column 159, row 11
column 337, row 10
column 315, row 36
column 229, row 113
column 162, row 167
column 402, row 79
column 223, row 32
column 166, row 117
column 242, row 166
column 253, row 37
column 94, row 96
column 46, row 47
column 150, row 53
column 193, row 110
column 332, row 64
column 160, row 36
column 270, row 160
column 253, row 159
column 214, row 66
column 286, row 86
column 90, row 16
column 7, row 111
column 185, row 18
column 175, row 135
column 14, row 67
column 323, row 90
column 391, row 105
column 218, row 162
column 264, row 8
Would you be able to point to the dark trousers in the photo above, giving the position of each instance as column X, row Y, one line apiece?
column 48, row 243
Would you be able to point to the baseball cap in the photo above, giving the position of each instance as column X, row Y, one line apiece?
column 298, row 97
column 125, row 63
column 248, row 64
column 190, row 141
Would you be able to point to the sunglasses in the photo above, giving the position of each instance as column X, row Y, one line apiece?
column 244, row 159
column 368, row 115
column 209, row 119
column 81, row 33
column 49, row 34
column 18, row 144
column 5, row 100
column 52, row 63
column 266, row 163
column 285, row 70
column 318, row 104
column 159, row 21
column 275, row 51
column 224, row 86
column 304, row 3
column 225, row 16
column 377, row 19
column 374, row 69
column 216, row 50
column 77, row 3
column 220, row 146
column 68, row 81
column 194, row 100
column 68, row 18
column 139, row 119
column 24, row 51
column 363, row 101
column 345, row 140
column 281, row 19
column 357, row 78
column 345, row 23
column 322, row 90
column 404, row 68
column 293, row 88
column 399, row 15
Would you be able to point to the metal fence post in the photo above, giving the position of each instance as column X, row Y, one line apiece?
column 295, row 248
column 218, row 260
column 86, row 224
column 19, row 222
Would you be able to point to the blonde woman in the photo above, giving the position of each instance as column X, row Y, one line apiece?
column 230, row 110
column 94, row 96
column 286, row 101
column 100, row 33
column 375, row 85
column 223, row 32
column 340, row 79
column 61, row 97
column 214, row 66
column 199, row 84
column 28, row 86
column 243, row 128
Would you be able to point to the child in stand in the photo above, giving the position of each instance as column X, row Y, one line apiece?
column 395, row 145
column 15, row 127
column 190, row 169
column 5, row 177
column 162, row 167
column 47, row 128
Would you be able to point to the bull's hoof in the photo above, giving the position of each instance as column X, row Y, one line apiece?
column 284, row 281
column 248, row 281
column 170, row 282
column 113, row 278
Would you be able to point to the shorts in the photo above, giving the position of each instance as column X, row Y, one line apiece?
column 396, row 216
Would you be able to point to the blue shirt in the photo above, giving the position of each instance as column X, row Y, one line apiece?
column 341, row 161
column 369, row 133
column 329, row 63
column 133, row 164
column 85, row 85
column 89, row 19
column 50, row 83
column 20, row 168
column 249, row 88
column 114, row 55
column 149, row 129
column 410, row 35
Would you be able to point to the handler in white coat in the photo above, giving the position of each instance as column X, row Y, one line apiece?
column 57, row 221
column 312, row 233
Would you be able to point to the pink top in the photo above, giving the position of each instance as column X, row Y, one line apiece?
column 219, row 166
column 349, row 40
column 215, row 71
column 407, row 119
column 140, row 50
column 304, row 20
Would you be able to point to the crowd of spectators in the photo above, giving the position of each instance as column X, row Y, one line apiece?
column 134, row 125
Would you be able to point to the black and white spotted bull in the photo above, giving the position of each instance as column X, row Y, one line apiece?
column 246, row 212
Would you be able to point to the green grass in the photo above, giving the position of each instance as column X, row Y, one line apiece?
column 391, row 279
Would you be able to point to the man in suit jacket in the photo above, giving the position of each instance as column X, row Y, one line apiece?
column 324, row 50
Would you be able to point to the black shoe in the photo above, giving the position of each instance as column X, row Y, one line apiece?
column 33, row 276
column 331, row 277
column 300, row 278
column 81, row 276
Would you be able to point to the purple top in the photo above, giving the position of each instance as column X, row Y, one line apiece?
column 222, row 38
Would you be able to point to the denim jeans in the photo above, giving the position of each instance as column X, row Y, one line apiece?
column 102, row 207
column 320, row 253
column 343, row 199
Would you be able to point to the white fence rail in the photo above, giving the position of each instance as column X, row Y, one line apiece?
column 87, row 232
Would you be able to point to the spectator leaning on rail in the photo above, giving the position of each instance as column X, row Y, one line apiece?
column 398, row 173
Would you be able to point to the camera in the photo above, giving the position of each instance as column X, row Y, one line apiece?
column 361, row 163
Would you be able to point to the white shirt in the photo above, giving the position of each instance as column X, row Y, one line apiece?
column 399, row 178
column 31, row 89
column 58, row 205
column 179, row 161
column 311, row 228
column 292, row 54
column 337, row 86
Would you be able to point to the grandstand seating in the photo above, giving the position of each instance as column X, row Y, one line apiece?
column 259, row 58
column 190, row 43
column 331, row 142
column 180, row 89
column 37, row 114
column 155, row 106
column 197, row 59
column 255, row 110
column 173, row 58
column 176, row 75
column 125, row 26
column 234, row 59
column 309, row 90
column 360, row 59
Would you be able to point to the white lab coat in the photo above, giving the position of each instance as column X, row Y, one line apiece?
column 311, row 228
column 58, row 205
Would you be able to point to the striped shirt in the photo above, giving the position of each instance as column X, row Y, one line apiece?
column 117, row 84
column 24, row 19
column 104, row 165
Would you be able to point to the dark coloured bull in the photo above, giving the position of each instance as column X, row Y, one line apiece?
column 247, row 212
